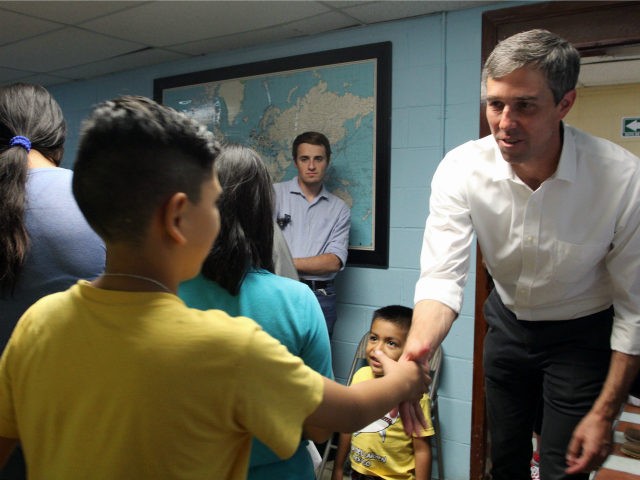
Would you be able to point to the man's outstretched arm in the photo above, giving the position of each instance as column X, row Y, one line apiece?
column 431, row 323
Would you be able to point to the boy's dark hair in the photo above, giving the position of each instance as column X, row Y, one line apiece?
column 398, row 314
column 134, row 154
column 312, row 138
column 25, row 111
column 246, row 219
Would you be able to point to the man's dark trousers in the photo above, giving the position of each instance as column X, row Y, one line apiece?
column 563, row 362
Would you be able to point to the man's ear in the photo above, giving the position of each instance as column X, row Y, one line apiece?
column 173, row 214
column 567, row 102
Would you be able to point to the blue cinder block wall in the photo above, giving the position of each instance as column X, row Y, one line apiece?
column 435, row 106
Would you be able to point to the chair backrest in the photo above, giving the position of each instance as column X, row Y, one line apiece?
column 435, row 365
column 359, row 358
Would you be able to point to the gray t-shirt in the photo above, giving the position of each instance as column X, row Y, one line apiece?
column 62, row 246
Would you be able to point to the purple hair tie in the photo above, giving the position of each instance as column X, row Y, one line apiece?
column 24, row 142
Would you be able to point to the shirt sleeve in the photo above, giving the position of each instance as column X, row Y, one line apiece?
column 8, row 422
column 623, row 264
column 428, row 431
column 281, row 393
column 447, row 240
column 339, row 238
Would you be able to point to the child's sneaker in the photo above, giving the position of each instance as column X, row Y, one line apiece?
column 535, row 472
column 535, row 466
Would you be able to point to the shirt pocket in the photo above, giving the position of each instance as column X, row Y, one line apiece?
column 573, row 262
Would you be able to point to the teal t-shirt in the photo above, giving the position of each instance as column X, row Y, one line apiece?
column 289, row 311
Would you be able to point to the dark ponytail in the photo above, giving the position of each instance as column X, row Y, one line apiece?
column 27, row 111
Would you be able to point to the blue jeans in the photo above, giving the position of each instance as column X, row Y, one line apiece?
column 327, row 299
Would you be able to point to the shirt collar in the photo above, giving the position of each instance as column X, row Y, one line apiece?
column 294, row 187
column 501, row 168
column 567, row 165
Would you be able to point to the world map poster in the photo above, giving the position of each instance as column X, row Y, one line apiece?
column 266, row 111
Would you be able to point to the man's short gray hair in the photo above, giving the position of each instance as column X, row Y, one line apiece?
column 542, row 50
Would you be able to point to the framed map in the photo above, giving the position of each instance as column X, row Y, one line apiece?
column 344, row 93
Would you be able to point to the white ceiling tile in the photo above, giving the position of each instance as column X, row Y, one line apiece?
column 346, row 3
column 169, row 22
column 371, row 12
column 68, row 12
column 9, row 75
column 131, row 61
column 228, row 42
column 15, row 27
column 320, row 23
column 42, row 79
column 61, row 49
column 324, row 22
column 37, row 36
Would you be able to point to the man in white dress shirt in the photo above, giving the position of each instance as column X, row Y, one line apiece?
column 557, row 216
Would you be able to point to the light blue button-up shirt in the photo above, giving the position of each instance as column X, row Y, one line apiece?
column 316, row 227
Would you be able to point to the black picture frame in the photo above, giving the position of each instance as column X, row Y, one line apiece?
column 376, row 254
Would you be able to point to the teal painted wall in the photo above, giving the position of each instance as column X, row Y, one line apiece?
column 435, row 106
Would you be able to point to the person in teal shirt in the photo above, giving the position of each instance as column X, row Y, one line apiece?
column 237, row 278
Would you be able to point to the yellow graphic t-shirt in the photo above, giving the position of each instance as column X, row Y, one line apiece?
column 383, row 448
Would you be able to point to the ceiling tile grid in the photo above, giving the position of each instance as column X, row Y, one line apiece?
column 51, row 42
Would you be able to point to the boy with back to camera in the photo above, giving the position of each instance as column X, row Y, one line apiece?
column 117, row 378
column 383, row 450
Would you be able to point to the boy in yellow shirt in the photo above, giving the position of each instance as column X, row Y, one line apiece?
column 383, row 450
column 117, row 378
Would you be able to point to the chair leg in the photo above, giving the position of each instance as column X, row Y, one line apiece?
column 325, row 457
column 436, row 425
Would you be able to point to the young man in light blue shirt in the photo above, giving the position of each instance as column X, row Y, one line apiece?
column 314, row 222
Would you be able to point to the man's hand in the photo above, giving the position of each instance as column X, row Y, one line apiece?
column 592, row 438
column 411, row 412
column 430, row 324
column 590, row 444
column 412, row 418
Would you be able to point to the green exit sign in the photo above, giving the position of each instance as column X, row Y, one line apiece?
column 631, row 127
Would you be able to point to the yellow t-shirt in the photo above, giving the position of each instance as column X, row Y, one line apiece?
column 382, row 448
column 133, row 385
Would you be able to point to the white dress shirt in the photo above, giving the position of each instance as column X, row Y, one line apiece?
column 568, row 249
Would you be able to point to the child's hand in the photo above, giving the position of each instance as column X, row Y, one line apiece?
column 409, row 373
column 411, row 412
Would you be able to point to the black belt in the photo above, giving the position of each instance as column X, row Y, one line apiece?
column 317, row 284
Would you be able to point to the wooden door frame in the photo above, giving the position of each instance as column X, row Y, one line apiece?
column 590, row 26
